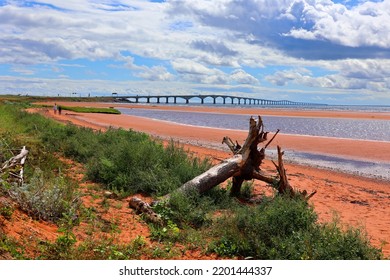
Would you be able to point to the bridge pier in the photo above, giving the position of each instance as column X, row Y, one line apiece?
column 240, row 100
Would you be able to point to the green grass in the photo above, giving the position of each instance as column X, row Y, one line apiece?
column 10, row 248
column 46, row 193
column 125, row 160
column 284, row 228
column 91, row 110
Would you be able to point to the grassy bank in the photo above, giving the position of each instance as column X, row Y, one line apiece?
column 88, row 109
column 129, row 162
column 91, row 110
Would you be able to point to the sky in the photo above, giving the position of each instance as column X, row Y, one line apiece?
column 334, row 52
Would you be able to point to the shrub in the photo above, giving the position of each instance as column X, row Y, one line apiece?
column 47, row 200
column 6, row 211
column 284, row 228
column 120, row 159
column 135, row 163
column 192, row 209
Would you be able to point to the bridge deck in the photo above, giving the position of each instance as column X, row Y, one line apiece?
column 226, row 99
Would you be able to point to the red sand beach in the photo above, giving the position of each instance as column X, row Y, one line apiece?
column 357, row 201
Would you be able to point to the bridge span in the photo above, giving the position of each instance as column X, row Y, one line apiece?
column 225, row 99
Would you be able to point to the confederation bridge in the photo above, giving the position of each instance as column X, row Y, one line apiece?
column 216, row 99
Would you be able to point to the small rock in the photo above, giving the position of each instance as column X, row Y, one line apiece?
column 109, row 194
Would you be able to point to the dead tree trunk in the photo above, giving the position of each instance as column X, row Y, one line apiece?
column 244, row 165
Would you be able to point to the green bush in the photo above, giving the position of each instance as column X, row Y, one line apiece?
column 131, row 161
column 284, row 228
column 47, row 200
column 192, row 209
column 10, row 249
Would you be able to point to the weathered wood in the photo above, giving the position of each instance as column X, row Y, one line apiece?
column 245, row 159
column 213, row 177
column 233, row 147
column 142, row 207
column 284, row 185
column 12, row 163
column 243, row 165
column 259, row 175
column 16, row 160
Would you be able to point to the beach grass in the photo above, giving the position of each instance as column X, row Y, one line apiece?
column 91, row 110
column 80, row 109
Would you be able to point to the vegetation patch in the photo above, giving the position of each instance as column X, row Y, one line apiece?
column 285, row 228
column 91, row 110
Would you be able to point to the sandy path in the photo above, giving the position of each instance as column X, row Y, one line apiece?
column 357, row 201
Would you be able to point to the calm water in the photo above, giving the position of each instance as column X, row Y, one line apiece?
column 378, row 130
column 329, row 127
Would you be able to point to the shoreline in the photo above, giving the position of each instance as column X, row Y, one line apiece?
column 373, row 150
column 356, row 201
column 240, row 110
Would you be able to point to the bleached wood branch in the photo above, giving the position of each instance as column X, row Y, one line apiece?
column 18, row 160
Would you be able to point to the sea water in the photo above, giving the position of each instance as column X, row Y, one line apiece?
column 364, row 129
column 328, row 127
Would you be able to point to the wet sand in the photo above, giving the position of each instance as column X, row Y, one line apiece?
column 356, row 201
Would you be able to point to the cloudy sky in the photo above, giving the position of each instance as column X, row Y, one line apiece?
column 335, row 52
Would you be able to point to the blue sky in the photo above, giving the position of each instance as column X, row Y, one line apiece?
column 335, row 52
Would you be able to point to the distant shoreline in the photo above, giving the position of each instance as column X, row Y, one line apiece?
column 293, row 112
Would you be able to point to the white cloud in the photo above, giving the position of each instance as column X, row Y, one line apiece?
column 373, row 75
column 362, row 25
column 22, row 70
column 185, row 66
column 156, row 73
column 241, row 77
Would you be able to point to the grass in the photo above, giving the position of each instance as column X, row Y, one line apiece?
column 46, row 193
column 91, row 110
column 126, row 160
column 284, row 228
column 131, row 162
column 46, row 199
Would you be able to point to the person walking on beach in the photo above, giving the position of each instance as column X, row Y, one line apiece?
column 55, row 108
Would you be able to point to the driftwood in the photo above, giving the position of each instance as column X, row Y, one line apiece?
column 142, row 207
column 16, row 161
column 244, row 165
